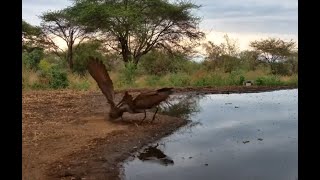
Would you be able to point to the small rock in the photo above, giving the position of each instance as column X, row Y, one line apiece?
column 206, row 164
column 244, row 142
column 260, row 139
column 236, row 107
column 190, row 157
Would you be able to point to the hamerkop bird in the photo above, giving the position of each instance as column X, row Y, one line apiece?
column 145, row 100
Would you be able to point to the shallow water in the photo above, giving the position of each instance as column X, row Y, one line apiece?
column 235, row 136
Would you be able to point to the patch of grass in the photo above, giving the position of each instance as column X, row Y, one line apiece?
column 269, row 81
column 179, row 80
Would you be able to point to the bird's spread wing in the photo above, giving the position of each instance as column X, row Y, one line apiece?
column 100, row 74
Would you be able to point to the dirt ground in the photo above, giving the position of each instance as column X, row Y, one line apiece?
column 66, row 134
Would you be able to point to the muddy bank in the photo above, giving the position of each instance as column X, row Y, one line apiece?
column 101, row 159
column 66, row 134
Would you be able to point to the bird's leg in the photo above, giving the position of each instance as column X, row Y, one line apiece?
column 145, row 115
column 154, row 114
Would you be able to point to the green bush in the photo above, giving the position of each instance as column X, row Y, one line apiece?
column 281, row 69
column 235, row 78
column 179, row 80
column 152, row 80
column 81, row 54
column 160, row 63
column 58, row 78
column 204, row 81
column 44, row 66
column 268, row 81
column 31, row 59
column 128, row 73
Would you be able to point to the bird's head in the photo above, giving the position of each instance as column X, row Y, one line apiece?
column 115, row 113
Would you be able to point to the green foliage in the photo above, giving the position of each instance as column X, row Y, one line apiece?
column 152, row 80
column 44, row 66
column 281, row 69
column 128, row 73
column 31, row 59
column 143, row 25
column 235, row 78
column 268, row 81
column 249, row 60
column 32, row 36
column 38, row 86
column 241, row 80
column 58, row 78
column 83, row 85
column 160, row 63
column 179, row 80
column 230, row 63
column 81, row 54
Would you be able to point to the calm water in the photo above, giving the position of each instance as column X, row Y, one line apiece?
column 235, row 136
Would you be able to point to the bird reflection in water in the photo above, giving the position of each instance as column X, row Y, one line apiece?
column 154, row 154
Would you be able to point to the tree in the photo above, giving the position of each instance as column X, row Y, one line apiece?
column 293, row 61
column 133, row 28
column 213, row 51
column 61, row 24
column 273, row 50
column 223, row 55
column 250, row 58
column 231, row 47
column 83, row 51
column 32, row 37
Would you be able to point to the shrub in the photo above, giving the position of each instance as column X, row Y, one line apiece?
column 58, row 78
column 31, row 59
column 152, row 80
column 81, row 54
column 179, row 80
column 268, row 81
column 128, row 73
column 44, row 66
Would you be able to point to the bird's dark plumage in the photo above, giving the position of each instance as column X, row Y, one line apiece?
column 145, row 100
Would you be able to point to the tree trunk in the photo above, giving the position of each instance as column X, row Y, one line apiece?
column 126, row 54
column 136, row 60
column 70, row 57
column 273, row 69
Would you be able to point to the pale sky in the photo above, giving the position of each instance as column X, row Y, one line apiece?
column 243, row 20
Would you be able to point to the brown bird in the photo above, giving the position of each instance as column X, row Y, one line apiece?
column 145, row 100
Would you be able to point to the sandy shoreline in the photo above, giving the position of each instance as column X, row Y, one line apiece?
column 66, row 135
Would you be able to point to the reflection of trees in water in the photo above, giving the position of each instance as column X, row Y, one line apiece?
column 182, row 106
column 154, row 154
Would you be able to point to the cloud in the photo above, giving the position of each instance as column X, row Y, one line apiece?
column 31, row 9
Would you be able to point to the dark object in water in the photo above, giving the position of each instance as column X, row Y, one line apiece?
column 152, row 153
column 260, row 139
column 244, row 142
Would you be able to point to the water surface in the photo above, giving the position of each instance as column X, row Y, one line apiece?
column 235, row 136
